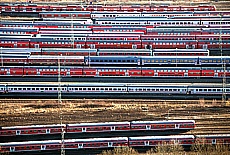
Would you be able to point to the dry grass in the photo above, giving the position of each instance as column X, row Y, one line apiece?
column 165, row 149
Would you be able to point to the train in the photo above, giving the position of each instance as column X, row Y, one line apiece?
column 115, row 15
column 142, row 126
column 115, row 90
column 76, row 26
column 104, row 52
column 134, row 61
column 31, row 8
column 144, row 21
column 79, row 23
column 109, row 143
column 115, row 44
column 133, row 72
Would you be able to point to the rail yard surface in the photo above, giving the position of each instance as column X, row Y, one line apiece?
column 87, row 76
column 211, row 117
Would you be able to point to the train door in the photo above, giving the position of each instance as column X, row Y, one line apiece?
column 80, row 146
column 48, row 131
column 12, row 149
column 148, row 47
column 113, row 128
column 148, row 127
column 36, row 45
column 15, row 45
column 213, row 141
column 18, row 132
column 146, row 143
column 138, row 62
column 83, row 129
column 177, row 126
column 87, row 61
column 78, row 45
column 194, row 91
column 92, row 46
column 134, row 46
column 143, row 62
column 43, row 147
column 198, row 61
column 205, row 46
column 110, row 144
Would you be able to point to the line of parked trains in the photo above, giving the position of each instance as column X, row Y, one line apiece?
column 109, row 143
column 148, row 21
column 117, row 44
column 139, row 8
column 154, row 72
column 68, row 25
column 192, row 61
column 141, row 126
column 115, row 90
column 103, row 52
column 115, row 15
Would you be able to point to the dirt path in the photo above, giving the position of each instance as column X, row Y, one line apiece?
column 210, row 117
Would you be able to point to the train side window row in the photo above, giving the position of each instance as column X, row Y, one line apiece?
column 165, row 61
column 155, row 89
column 112, row 60
column 8, row 41
column 211, row 90
column 97, row 89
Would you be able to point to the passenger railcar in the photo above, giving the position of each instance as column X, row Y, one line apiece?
column 150, row 141
column 157, row 60
column 66, row 14
column 213, row 139
column 158, row 22
column 19, row 30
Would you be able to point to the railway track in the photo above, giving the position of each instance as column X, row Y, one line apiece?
column 211, row 117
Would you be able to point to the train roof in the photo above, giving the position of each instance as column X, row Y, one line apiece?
column 213, row 136
column 30, row 143
column 99, row 124
column 33, row 126
column 163, row 137
column 65, row 12
column 76, row 84
column 163, row 122
column 97, row 140
column 180, row 50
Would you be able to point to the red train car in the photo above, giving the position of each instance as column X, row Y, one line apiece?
column 31, row 130
column 66, row 14
column 169, row 44
column 168, row 37
column 113, row 44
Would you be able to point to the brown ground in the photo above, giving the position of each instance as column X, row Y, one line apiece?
column 210, row 116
